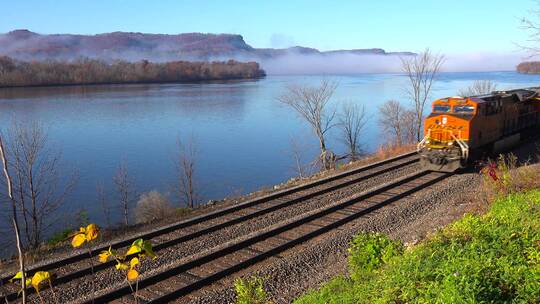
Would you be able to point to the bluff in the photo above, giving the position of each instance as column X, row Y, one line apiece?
column 28, row 45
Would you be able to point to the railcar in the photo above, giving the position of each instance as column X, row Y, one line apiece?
column 459, row 129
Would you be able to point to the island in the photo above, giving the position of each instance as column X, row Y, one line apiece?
column 18, row 73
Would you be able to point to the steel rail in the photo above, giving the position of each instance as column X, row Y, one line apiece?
column 201, row 218
column 96, row 268
column 209, row 257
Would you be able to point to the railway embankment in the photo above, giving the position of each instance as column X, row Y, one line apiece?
column 493, row 258
column 322, row 267
column 296, row 237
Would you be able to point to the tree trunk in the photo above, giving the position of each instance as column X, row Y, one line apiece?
column 15, row 222
column 33, row 201
column 20, row 253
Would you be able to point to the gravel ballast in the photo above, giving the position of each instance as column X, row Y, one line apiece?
column 408, row 220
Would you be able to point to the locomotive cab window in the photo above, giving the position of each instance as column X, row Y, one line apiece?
column 464, row 109
column 441, row 108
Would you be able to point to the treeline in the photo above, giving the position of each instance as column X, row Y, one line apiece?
column 529, row 67
column 15, row 73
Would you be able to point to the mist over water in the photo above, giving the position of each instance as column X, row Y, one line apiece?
column 295, row 64
column 298, row 64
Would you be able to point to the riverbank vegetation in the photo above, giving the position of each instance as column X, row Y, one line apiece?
column 15, row 73
column 490, row 258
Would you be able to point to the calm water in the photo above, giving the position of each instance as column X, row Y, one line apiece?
column 243, row 135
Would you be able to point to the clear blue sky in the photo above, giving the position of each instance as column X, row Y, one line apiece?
column 457, row 26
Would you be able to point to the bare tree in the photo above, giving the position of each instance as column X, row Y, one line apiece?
column 185, row 170
column 478, row 87
column 408, row 126
column 532, row 26
column 421, row 71
column 351, row 122
column 311, row 103
column 37, row 181
column 103, row 202
column 302, row 170
column 390, row 114
column 14, row 219
column 124, row 189
column 397, row 122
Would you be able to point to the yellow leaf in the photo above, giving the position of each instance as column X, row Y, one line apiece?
column 122, row 266
column 17, row 276
column 132, row 274
column 134, row 262
column 40, row 278
column 78, row 240
column 133, row 249
column 92, row 232
column 104, row 256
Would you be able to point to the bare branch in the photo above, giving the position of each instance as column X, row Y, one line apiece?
column 184, row 163
column 38, row 186
column 533, row 28
column 311, row 104
column 124, row 189
column 15, row 221
column 351, row 122
column 421, row 71
column 397, row 122
column 479, row 87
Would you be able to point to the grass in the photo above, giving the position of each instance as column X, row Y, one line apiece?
column 59, row 237
column 250, row 291
column 490, row 258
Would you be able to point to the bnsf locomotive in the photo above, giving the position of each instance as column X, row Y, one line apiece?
column 461, row 129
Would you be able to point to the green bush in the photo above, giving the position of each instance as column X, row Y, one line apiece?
column 368, row 252
column 59, row 237
column 250, row 291
column 493, row 258
column 336, row 291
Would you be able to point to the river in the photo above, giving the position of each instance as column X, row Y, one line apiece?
column 241, row 132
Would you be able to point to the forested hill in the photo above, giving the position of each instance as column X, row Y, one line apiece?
column 28, row 45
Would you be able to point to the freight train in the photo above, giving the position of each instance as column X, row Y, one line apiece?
column 459, row 130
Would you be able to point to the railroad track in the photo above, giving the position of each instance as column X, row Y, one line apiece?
column 75, row 267
column 182, row 279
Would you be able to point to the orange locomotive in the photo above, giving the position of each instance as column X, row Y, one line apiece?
column 460, row 129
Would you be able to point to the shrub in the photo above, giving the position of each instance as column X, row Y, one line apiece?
column 369, row 251
column 337, row 291
column 152, row 206
column 492, row 258
column 250, row 291
column 59, row 237
column 504, row 176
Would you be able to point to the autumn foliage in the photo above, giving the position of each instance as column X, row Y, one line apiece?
column 14, row 73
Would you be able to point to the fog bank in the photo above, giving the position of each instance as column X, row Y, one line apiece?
column 298, row 64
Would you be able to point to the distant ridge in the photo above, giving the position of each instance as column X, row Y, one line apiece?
column 27, row 45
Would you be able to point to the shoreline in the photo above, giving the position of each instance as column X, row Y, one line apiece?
column 62, row 85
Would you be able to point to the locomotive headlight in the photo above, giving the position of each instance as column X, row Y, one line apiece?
column 450, row 143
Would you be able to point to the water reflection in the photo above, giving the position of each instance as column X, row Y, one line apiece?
column 242, row 132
